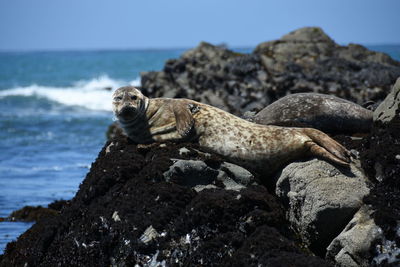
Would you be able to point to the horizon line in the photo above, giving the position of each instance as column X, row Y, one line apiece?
column 42, row 50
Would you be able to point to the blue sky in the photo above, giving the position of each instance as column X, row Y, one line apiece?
column 125, row 24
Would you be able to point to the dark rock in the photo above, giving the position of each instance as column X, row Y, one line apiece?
column 305, row 60
column 114, row 130
column 381, row 161
column 351, row 72
column 31, row 214
column 213, row 75
column 58, row 205
column 125, row 213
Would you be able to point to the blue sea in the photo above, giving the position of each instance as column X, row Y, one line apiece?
column 54, row 113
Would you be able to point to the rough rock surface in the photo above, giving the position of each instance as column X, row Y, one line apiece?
column 351, row 248
column 388, row 111
column 381, row 161
column 198, row 175
column 31, row 214
column 320, row 199
column 306, row 60
column 125, row 213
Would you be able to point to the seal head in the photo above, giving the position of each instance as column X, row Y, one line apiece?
column 129, row 104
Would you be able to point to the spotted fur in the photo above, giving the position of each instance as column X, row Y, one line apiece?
column 262, row 147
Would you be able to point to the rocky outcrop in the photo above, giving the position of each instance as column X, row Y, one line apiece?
column 126, row 213
column 320, row 199
column 175, row 205
column 306, row 60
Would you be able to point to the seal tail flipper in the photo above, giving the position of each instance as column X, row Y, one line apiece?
column 324, row 146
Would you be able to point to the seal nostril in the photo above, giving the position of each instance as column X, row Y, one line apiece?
column 127, row 110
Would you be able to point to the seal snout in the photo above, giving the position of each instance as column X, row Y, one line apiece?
column 127, row 111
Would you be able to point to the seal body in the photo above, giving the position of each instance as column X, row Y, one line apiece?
column 261, row 147
column 327, row 113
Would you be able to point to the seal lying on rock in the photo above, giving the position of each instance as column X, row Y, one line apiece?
column 261, row 147
column 327, row 113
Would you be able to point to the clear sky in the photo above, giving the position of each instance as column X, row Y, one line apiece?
column 125, row 24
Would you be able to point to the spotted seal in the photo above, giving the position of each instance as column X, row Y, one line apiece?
column 260, row 147
column 327, row 113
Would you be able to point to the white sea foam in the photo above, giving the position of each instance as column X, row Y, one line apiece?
column 93, row 94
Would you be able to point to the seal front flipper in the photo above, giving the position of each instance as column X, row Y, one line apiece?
column 183, row 117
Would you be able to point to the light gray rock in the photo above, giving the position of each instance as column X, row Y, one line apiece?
column 353, row 246
column 237, row 173
column 191, row 173
column 389, row 110
column 304, row 44
column 321, row 199
column 200, row 176
column 149, row 234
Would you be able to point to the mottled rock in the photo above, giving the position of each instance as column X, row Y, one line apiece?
column 198, row 174
column 389, row 110
column 320, row 199
column 353, row 246
column 307, row 60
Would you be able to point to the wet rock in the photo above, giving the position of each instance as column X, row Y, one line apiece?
column 388, row 252
column 320, row 199
column 353, row 246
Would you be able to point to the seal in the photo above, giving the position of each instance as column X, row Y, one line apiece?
column 260, row 147
column 327, row 113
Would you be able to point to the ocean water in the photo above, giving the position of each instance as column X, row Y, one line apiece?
column 54, row 113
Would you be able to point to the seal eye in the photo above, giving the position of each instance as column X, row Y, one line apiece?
column 118, row 98
column 133, row 97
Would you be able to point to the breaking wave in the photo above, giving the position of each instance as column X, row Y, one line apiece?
column 94, row 94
